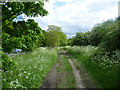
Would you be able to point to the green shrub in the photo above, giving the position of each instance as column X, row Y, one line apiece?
column 7, row 63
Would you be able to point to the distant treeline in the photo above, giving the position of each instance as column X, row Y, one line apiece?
column 105, row 35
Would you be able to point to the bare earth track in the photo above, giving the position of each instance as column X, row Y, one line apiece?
column 57, row 78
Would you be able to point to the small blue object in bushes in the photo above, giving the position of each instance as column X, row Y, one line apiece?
column 17, row 50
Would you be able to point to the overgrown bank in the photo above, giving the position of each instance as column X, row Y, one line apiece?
column 104, row 69
column 30, row 69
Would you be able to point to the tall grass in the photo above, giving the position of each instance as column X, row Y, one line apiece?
column 103, row 68
column 31, row 69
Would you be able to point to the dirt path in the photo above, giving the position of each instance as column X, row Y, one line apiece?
column 60, row 76
column 65, row 74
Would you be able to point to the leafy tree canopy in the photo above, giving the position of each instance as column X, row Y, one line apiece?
column 21, row 34
column 11, row 10
column 55, row 36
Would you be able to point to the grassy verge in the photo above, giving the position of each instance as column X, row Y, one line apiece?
column 31, row 68
column 103, row 69
column 66, row 78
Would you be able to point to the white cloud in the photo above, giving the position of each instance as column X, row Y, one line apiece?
column 70, row 36
column 75, row 15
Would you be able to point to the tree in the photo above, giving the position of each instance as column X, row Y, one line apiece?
column 21, row 34
column 11, row 10
column 24, row 35
column 55, row 36
column 80, row 39
column 63, row 39
column 111, row 40
column 105, row 35
column 100, row 31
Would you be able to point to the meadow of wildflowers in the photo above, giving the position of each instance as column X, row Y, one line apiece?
column 104, row 67
column 30, row 69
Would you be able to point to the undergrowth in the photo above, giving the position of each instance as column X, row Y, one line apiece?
column 103, row 67
column 31, row 69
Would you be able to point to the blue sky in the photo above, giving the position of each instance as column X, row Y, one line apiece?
column 58, row 4
column 75, row 15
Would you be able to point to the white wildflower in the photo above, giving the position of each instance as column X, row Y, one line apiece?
column 27, row 77
column 28, row 73
column 24, row 72
column 19, row 75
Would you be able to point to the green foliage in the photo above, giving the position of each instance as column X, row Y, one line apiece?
column 12, row 9
column 104, row 62
column 111, row 40
column 102, row 31
column 81, row 39
column 63, row 39
column 104, row 67
column 70, row 41
column 105, row 34
column 25, row 35
column 7, row 63
column 31, row 69
column 55, row 36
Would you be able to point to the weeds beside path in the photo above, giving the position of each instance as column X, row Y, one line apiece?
column 102, row 67
column 30, row 69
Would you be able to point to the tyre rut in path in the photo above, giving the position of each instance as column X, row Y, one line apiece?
column 51, row 80
column 77, row 75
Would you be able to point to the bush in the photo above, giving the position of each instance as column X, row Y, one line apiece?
column 7, row 63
